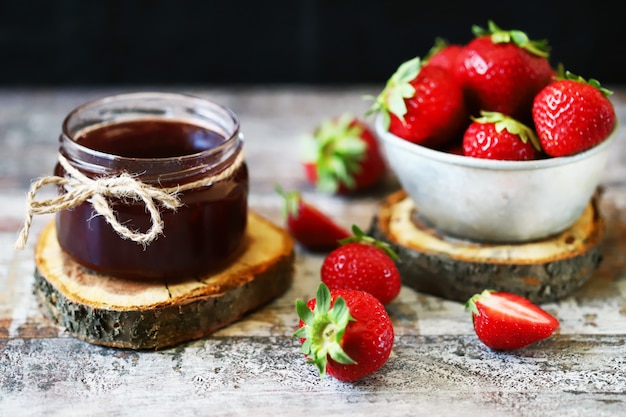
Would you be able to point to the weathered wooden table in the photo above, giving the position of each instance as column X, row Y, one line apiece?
column 437, row 367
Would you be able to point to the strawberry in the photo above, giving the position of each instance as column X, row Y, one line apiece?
column 343, row 156
column 345, row 333
column 502, row 71
column 363, row 263
column 497, row 136
column 312, row 228
column 572, row 115
column 422, row 104
column 444, row 54
column 507, row 321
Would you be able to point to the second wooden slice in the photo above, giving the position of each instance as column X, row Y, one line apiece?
column 543, row 271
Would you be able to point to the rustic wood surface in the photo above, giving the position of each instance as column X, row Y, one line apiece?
column 254, row 366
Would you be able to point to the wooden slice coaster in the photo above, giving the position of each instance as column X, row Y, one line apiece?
column 543, row 271
column 120, row 313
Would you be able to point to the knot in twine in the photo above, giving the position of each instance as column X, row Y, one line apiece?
column 125, row 187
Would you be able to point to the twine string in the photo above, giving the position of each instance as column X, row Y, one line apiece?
column 98, row 192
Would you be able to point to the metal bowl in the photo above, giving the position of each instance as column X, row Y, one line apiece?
column 495, row 201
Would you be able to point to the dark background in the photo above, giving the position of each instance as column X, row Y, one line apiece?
column 89, row 42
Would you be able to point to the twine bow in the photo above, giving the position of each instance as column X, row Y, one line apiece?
column 125, row 187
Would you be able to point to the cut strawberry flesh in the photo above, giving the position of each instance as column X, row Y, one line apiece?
column 498, row 305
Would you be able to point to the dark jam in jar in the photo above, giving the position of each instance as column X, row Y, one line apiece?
column 150, row 139
column 204, row 233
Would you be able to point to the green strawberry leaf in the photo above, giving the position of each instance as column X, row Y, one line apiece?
column 304, row 312
column 292, row 202
column 395, row 100
column 323, row 298
column 337, row 149
column 323, row 329
column 398, row 88
column 519, row 38
column 438, row 45
column 591, row 81
column 360, row 237
column 386, row 119
column 471, row 303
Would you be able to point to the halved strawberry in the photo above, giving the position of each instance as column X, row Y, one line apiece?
column 507, row 321
column 343, row 156
column 310, row 227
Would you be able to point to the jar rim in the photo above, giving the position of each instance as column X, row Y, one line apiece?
column 229, row 137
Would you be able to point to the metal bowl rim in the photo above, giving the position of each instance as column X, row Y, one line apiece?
column 490, row 164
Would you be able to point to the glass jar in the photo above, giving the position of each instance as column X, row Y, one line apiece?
column 167, row 141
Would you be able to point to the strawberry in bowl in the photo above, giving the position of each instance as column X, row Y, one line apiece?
column 503, row 70
column 423, row 104
column 572, row 115
column 497, row 136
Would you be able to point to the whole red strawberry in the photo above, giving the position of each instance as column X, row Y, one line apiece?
column 363, row 263
column 309, row 226
column 444, row 54
column 345, row 333
column 572, row 115
column 507, row 321
column 343, row 156
column 497, row 136
column 422, row 104
column 502, row 71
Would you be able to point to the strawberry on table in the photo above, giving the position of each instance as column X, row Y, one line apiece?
column 422, row 104
column 572, row 115
column 309, row 226
column 345, row 333
column 497, row 136
column 363, row 263
column 503, row 70
column 343, row 156
column 507, row 321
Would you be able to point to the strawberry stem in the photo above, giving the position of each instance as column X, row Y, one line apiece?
column 519, row 38
column 502, row 121
column 567, row 75
column 292, row 201
column 397, row 89
column 471, row 303
column 360, row 237
column 337, row 150
column 439, row 44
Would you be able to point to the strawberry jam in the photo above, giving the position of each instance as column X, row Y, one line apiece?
column 166, row 141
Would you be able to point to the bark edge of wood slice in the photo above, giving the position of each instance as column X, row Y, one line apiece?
column 140, row 315
column 542, row 271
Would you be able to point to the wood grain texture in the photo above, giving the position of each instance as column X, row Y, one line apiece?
column 542, row 271
column 254, row 366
